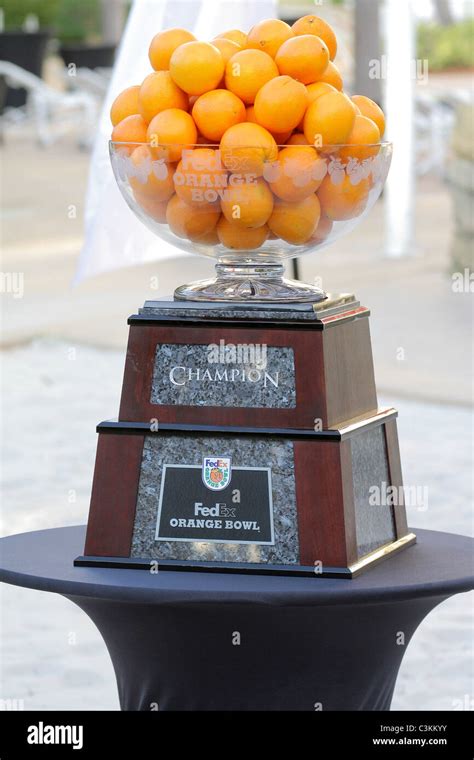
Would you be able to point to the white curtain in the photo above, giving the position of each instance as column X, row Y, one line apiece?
column 114, row 237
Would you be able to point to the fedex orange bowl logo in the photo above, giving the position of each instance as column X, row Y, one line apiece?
column 216, row 473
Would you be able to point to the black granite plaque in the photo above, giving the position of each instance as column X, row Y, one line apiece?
column 240, row 513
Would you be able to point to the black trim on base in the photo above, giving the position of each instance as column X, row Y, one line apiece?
column 148, row 320
column 252, row 568
column 173, row 428
column 245, row 568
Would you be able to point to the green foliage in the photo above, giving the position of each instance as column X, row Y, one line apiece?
column 15, row 11
column 78, row 20
column 447, row 47
column 71, row 20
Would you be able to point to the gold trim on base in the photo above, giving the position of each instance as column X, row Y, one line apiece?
column 334, row 299
column 364, row 421
column 383, row 553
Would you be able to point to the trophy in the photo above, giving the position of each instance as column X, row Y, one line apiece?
column 249, row 437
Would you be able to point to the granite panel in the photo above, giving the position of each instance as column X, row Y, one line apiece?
column 333, row 303
column 229, row 313
column 374, row 522
column 260, row 376
column 168, row 449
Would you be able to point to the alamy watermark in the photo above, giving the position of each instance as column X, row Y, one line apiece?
column 418, row 68
column 254, row 354
column 463, row 282
column 12, row 703
column 42, row 733
column 12, row 283
column 386, row 495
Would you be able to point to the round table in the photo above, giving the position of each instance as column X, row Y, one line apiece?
column 208, row 641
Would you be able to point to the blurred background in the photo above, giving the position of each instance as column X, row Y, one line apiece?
column 68, row 284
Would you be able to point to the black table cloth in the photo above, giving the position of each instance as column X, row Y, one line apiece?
column 206, row 641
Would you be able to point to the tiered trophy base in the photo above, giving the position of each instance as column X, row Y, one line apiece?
column 223, row 462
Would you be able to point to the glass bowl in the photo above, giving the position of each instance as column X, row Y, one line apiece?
column 250, row 208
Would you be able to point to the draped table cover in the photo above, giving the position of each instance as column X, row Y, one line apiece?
column 215, row 641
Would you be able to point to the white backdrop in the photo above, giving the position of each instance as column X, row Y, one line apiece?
column 114, row 237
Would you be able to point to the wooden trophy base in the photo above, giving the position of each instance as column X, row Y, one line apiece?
column 221, row 462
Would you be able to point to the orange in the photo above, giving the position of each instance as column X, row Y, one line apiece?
column 319, row 27
column 295, row 222
column 209, row 238
column 197, row 67
column 157, row 93
column 369, row 108
column 250, row 114
column 190, row 222
column 297, row 173
column 332, row 76
column 227, row 47
column 125, row 104
column 315, row 90
column 216, row 111
column 365, row 137
column 153, row 179
column 280, row 104
column 246, row 147
column 304, row 58
column 247, row 71
column 268, row 35
column 131, row 129
column 322, row 230
column 234, row 236
column 329, row 120
column 155, row 209
column 164, row 44
column 174, row 129
column 248, row 204
column 279, row 137
column 297, row 138
column 344, row 200
column 201, row 140
column 234, row 35
column 200, row 178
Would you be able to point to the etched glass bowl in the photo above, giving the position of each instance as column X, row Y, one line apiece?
column 249, row 208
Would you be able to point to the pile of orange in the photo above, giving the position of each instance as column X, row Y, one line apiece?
column 236, row 135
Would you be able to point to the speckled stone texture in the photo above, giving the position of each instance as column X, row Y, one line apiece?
column 247, row 385
column 219, row 313
column 169, row 449
column 374, row 523
column 296, row 312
